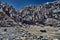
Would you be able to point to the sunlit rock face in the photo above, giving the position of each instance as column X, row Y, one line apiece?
column 6, row 15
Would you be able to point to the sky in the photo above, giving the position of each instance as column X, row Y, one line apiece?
column 19, row 4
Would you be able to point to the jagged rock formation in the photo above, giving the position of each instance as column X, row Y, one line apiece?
column 6, row 13
column 35, row 14
column 40, row 14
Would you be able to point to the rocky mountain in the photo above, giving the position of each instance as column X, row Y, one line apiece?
column 46, row 14
column 40, row 22
column 41, row 14
column 6, row 13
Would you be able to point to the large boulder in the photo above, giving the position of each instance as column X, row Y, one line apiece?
column 52, row 22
